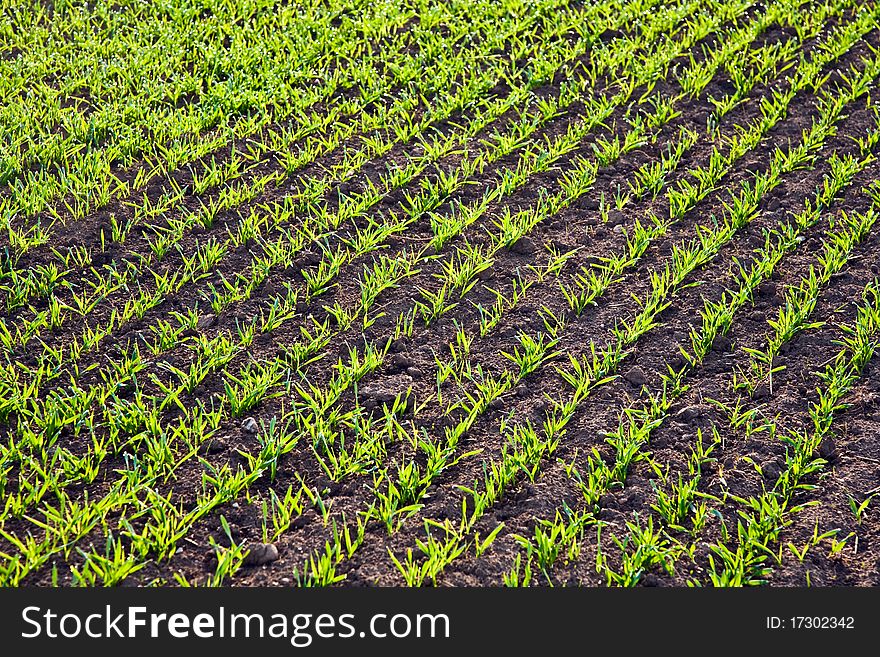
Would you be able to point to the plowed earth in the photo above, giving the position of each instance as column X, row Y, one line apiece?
column 405, row 452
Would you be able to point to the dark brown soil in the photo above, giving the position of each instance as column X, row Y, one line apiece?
column 744, row 465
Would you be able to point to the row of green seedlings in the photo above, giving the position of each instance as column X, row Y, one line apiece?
column 526, row 447
column 42, row 281
column 644, row 546
column 490, row 391
column 56, row 451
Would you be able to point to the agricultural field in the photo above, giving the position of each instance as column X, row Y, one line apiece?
column 430, row 293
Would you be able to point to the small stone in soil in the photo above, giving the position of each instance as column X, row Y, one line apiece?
column 619, row 229
column 771, row 471
column 562, row 246
column 721, row 343
column 249, row 425
column 400, row 362
column 636, row 376
column 827, row 449
column 308, row 258
column 101, row 259
column 212, row 446
column 385, row 391
column 689, row 413
column 616, row 217
column 260, row 554
column 524, row 246
column 414, row 372
column 205, row 321
column 650, row 580
column 762, row 391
